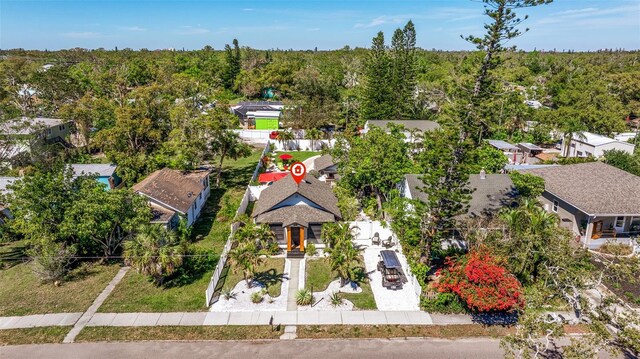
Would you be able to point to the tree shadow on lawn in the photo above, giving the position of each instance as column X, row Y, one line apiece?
column 13, row 255
column 193, row 269
column 269, row 278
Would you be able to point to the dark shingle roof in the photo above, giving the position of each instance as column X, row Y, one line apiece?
column 323, row 162
column 489, row 195
column 595, row 188
column 176, row 189
column 302, row 215
column 422, row 125
column 315, row 191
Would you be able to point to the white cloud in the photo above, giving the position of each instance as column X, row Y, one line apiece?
column 83, row 35
column 385, row 19
column 193, row 30
column 247, row 9
column 132, row 28
column 586, row 16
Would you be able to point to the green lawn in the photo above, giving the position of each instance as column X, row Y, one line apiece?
column 137, row 294
column 12, row 253
column 33, row 335
column 22, row 293
column 297, row 155
column 269, row 272
column 319, row 276
column 226, row 332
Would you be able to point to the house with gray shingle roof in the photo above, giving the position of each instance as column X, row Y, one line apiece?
column 490, row 193
column 296, row 212
column 594, row 200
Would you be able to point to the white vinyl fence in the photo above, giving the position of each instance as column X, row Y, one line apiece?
column 210, row 297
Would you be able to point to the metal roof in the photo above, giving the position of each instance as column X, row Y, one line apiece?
column 530, row 146
column 503, row 145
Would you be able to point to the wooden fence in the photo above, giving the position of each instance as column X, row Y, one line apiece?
column 210, row 294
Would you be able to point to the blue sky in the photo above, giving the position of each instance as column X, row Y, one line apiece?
column 303, row 24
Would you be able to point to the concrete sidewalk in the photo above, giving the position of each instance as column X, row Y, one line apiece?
column 262, row 318
column 40, row 320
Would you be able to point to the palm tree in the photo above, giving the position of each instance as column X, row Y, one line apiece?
column 344, row 258
column 154, row 251
column 227, row 144
column 245, row 257
column 284, row 137
column 313, row 134
column 572, row 129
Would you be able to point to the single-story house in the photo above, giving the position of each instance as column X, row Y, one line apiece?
column 263, row 115
column 51, row 129
column 326, row 168
column 491, row 192
column 420, row 125
column 594, row 200
column 105, row 172
column 296, row 212
column 585, row 144
column 173, row 193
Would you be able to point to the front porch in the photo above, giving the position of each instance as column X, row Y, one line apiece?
column 597, row 231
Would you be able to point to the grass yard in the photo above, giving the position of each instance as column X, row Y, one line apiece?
column 318, row 272
column 136, row 293
column 402, row 331
column 12, row 253
column 22, row 292
column 270, row 273
column 297, row 155
column 227, row 332
column 33, row 335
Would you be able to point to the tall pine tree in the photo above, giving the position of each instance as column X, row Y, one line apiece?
column 233, row 64
column 377, row 102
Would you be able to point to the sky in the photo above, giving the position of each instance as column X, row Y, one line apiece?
column 579, row 25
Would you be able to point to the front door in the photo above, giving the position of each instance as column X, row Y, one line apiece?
column 295, row 237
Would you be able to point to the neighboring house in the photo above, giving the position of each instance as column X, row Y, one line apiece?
column 511, row 151
column 585, row 144
column 491, row 192
column 105, row 172
column 529, row 151
column 26, row 133
column 295, row 212
column 5, row 213
column 326, row 168
column 173, row 193
column 409, row 125
column 625, row 136
column 594, row 200
column 264, row 115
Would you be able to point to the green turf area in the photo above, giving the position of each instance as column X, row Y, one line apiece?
column 227, row 332
column 137, row 294
column 319, row 276
column 22, row 292
column 297, row 155
column 33, row 335
column 270, row 273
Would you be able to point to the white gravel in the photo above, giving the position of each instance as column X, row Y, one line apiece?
column 323, row 302
column 386, row 299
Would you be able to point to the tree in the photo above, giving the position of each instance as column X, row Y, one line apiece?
column 482, row 282
column 344, row 258
column 284, row 137
column 376, row 102
column 528, row 186
column 227, row 144
column 154, row 251
column 313, row 134
column 403, row 70
column 373, row 163
column 233, row 64
column 245, row 257
column 488, row 158
column 623, row 161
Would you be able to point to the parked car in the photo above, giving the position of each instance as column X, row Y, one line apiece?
column 392, row 275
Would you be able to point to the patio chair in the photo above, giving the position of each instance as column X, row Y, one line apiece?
column 388, row 243
column 375, row 239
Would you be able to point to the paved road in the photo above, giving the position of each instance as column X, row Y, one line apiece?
column 320, row 349
column 308, row 349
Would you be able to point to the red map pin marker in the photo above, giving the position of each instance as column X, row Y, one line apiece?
column 298, row 171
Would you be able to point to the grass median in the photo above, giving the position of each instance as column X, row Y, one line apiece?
column 228, row 332
column 41, row 335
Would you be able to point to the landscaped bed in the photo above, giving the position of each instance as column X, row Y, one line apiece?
column 40, row 335
column 23, row 293
column 270, row 273
column 227, row 332
column 318, row 277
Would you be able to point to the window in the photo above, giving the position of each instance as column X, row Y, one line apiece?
column 619, row 222
column 635, row 224
column 555, row 206
column 200, row 196
column 579, row 154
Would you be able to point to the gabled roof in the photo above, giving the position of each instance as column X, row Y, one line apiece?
column 176, row 189
column 593, row 139
column 422, row 125
column 503, row 145
column 100, row 169
column 323, row 162
column 302, row 215
column 595, row 188
column 310, row 188
column 489, row 195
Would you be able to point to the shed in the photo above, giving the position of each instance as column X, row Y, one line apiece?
column 503, row 146
column 529, row 148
